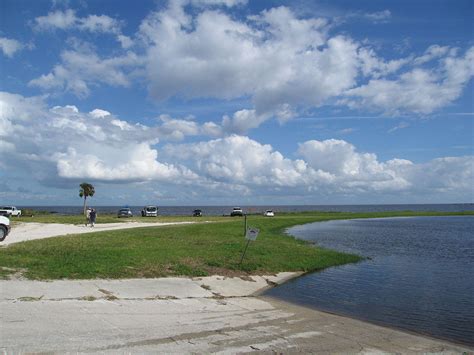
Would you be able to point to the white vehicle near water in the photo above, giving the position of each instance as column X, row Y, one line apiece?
column 150, row 211
column 10, row 211
column 269, row 213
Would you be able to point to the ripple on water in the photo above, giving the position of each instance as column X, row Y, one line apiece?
column 419, row 277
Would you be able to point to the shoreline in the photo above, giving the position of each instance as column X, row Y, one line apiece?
column 260, row 294
column 427, row 336
column 222, row 288
column 339, row 310
column 185, row 315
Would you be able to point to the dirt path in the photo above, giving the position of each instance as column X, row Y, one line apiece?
column 29, row 231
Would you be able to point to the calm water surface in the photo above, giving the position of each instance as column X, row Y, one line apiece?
column 225, row 210
column 419, row 276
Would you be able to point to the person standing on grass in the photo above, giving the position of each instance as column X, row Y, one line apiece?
column 93, row 216
column 88, row 216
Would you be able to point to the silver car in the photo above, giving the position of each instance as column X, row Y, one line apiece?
column 150, row 211
column 125, row 212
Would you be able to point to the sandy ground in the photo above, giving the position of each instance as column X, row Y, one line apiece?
column 29, row 231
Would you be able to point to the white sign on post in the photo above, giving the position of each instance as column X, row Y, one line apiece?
column 252, row 234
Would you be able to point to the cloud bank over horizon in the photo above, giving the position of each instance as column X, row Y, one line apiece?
column 62, row 143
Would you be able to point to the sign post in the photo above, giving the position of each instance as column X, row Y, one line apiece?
column 251, row 235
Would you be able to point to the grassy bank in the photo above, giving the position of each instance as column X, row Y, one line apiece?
column 46, row 217
column 193, row 250
column 104, row 218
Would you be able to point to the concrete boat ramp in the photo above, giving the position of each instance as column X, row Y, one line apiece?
column 181, row 315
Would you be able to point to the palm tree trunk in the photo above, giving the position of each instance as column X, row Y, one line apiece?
column 84, row 209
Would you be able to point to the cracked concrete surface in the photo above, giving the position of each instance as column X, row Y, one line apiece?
column 179, row 315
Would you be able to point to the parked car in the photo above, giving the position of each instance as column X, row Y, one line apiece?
column 197, row 213
column 10, row 211
column 236, row 211
column 150, row 211
column 125, row 212
column 4, row 227
column 269, row 213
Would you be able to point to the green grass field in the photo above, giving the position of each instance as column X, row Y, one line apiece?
column 199, row 249
column 105, row 218
column 112, row 218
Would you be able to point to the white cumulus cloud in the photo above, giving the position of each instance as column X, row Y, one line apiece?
column 83, row 67
column 239, row 159
column 328, row 167
column 275, row 57
column 67, row 19
column 379, row 16
column 352, row 169
column 10, row 46
column 72, row 144
column 419, row 90
column 133, row 161
column 228, row 3
column 56, row 19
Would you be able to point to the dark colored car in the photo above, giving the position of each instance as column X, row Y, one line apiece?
column 197, row 213
column 125, row 212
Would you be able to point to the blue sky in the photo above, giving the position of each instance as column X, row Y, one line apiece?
column 236, row 102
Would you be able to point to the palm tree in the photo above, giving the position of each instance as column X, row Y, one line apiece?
column 85, row 191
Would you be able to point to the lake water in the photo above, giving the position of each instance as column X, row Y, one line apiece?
column 419, row 276
column 225, row 210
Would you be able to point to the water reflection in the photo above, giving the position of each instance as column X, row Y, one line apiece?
column 419, row 276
